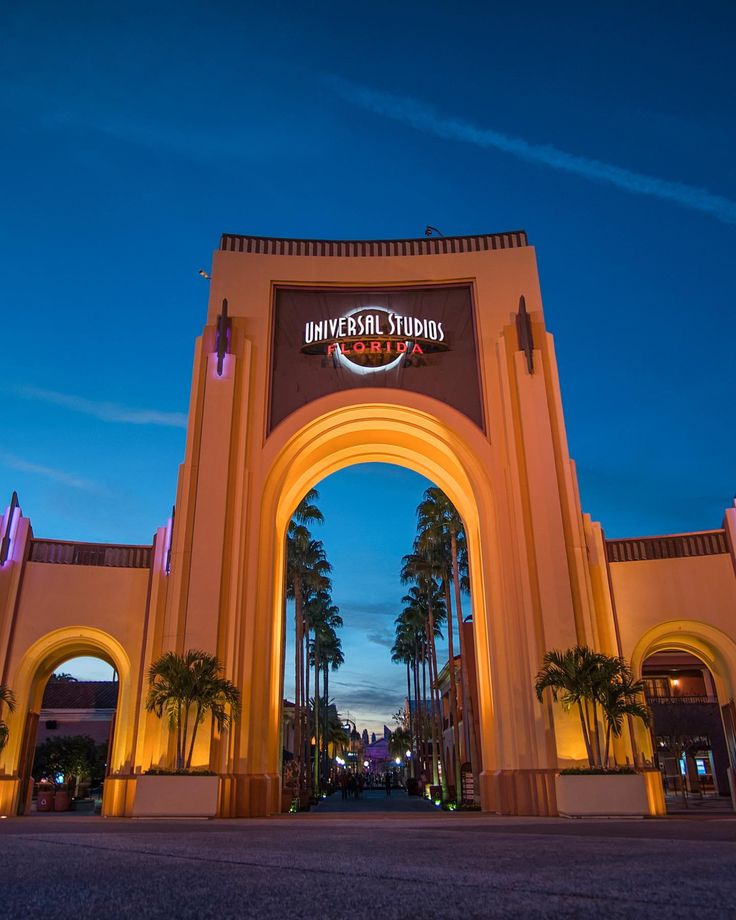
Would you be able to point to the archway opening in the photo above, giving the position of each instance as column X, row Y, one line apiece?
column 76, row 679
column 687, row 728
column 378, row 653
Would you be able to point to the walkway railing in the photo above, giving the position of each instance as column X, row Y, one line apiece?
column 101, row 554
column 677, row 546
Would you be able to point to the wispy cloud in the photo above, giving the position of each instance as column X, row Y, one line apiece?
column 49, row 472
column 426, row 118
column 106, row 411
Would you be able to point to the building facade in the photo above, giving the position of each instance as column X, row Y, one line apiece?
column 432, row 354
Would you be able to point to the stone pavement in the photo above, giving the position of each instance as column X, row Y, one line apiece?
column 390, row 865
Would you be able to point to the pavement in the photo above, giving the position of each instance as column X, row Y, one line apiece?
column 367, row 864
column 375, row 801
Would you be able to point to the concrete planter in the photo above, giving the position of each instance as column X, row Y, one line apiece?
column 618, row 795
column 176, row 796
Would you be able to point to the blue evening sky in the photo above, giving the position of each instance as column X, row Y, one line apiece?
column 132, row 135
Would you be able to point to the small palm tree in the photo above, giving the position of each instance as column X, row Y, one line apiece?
column 186, row 689
column 593, row 683
column 7, row 698
column 621, row 696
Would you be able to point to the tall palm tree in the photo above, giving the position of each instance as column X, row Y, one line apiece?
column 7, row 698
column 426, row 602
column 402, row 652
column 440, row 522
column 186, row 689
column 307, row 571
column 323, row 618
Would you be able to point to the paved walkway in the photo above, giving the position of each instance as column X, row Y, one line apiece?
column 373, row 801
column 453, row 867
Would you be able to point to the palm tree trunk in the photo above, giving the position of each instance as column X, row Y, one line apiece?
column 597, row 735
column 471, row 739
column 586, row 735
column 411, row 720
column 179, row 754
column 194, row 736
column 453, row 693
column 417, row 703
column 316, row 715
column 307, row 729
column 298, row 670
column 325, row 720
column 438, row 747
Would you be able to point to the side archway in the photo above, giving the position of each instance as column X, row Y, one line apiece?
column 707, row 643
column 41, row 659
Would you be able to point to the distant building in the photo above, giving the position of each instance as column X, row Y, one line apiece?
column 77, row 707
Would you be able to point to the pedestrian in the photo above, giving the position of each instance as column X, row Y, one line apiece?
column 352, row 787
column 344, row 785
column 388, row 783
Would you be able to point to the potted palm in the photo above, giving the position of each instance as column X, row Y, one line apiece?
column 185, row 689
column 601, row 690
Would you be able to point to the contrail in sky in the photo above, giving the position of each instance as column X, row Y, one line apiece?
column 106, row 411
column 425, row 118
column 49, row 472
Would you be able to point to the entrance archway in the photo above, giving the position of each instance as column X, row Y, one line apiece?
column 442, row 445
column 41, row 660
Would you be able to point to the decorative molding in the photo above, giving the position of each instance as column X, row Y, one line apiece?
column 676, row 546
column 423, row 246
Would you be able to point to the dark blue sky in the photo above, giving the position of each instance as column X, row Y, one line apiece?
column 132, row 136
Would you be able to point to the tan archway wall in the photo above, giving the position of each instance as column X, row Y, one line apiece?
column 712, row 646
column 45, row 656
column 421, row 435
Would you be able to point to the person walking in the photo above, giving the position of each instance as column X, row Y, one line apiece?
column 344, row 785
column 388, row 783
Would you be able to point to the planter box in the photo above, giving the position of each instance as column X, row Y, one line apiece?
column 176, row 796
column 623, row 795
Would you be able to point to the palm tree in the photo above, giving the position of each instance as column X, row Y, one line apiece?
column 399, row 743
column 440, row 523
column 402, row 652
column 620, row 695
column 186, row 689
column 426, row 605
column 7, row 698
column 587, row 680
column 307, row 569
column 569, row 675
column 323, row 618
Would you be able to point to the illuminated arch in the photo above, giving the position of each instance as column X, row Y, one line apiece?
column 46, row 654
column 333, row 433
column 707, row 643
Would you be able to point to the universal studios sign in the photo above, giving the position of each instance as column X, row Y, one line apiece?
column 373, row 338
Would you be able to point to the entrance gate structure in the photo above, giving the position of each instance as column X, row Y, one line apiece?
column 428, row 353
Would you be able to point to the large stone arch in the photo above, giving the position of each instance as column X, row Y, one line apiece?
column 430, row 438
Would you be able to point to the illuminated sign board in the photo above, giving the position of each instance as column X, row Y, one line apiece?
column 420, row 339
column 373, row 339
